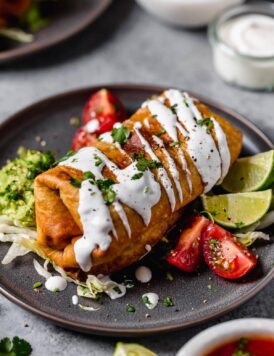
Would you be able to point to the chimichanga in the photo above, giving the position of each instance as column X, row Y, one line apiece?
column 103, row 208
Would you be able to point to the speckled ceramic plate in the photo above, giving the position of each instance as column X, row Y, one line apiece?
column 75, row 16
column 194, row 302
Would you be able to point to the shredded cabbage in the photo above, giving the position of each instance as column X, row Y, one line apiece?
column 250, row 237
column 266, row 221
column 42, row 271
column 24, row 240
column 88, row 308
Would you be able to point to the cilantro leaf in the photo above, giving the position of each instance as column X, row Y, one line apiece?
column 15, row 347
column 206, row 122
column 137, row 176
column 121, row 134
column 75, row 183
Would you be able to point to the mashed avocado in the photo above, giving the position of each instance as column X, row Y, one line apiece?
column 16, row 185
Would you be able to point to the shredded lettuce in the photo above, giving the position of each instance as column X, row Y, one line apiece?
column 42, row 271
column 250, row 237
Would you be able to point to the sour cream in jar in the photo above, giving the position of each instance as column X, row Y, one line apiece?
column 243, row 46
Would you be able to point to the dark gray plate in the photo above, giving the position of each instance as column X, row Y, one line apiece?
column 75, row 16
column 50, row 120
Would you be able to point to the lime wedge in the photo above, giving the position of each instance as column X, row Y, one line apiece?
column 124, row 349
column 238, row 210
column 251, row 174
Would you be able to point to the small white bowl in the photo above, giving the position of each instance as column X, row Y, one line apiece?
column 209, row 339
column 187, row 13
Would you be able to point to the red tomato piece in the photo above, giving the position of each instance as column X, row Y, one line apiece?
column 104, row 107
column 188, row 252
column 224, row 255
column 82, row 139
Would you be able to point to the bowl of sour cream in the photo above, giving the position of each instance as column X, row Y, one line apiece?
column 242, row 40
column 186, row 13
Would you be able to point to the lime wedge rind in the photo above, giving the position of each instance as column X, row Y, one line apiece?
column 130, row 349
column 238, row 210
column 251, row 174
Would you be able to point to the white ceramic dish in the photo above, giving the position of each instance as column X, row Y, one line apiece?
column 187, row 13
column 246, row 71
column 215, row 336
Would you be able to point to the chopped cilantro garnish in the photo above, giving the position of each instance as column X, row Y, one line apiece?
column 117, row 290
column 173, row 108
column 160, row 132
column 168, row 302
column 146, row 300
column 239, row 225
column 143, row 163
column 37, row 285
column 130, row 308
column 14, row 347
column 206, row 122
column 98, row 160
column 137, row 176
column 75, row 183
column 121, row 134
column 175, row 143
column 213, row 244
column 105, row 186
column 88, row 175
column 56, row 290
column 169, row 276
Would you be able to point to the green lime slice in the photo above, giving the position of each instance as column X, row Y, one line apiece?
column 238, row 210
column 124, row 349
column 251, row 174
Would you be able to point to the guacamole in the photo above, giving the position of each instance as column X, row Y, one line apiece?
column 16, row 185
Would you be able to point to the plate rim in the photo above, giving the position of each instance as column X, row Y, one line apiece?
column 24, row 51
column 125, row 331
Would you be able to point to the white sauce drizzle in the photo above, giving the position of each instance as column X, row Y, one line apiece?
column 123, row 216
column 56, row 284
column 162, row 173
column 75, row 299
column 92, row 126
column 164, row 116
column 143, row 274
column 153, row 299
column 106, row 137
column 94, row 213
column 146, row 122
column 172, row 166
column 133, row 193
column 168, row 121
column 200, row 144
column 223, row 149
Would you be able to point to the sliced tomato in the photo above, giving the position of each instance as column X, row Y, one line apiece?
column 224, row 254
column 188, row 252
column 83, row 139
column 104, row 107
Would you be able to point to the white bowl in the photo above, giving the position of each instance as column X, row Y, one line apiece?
column 187, row 13
column 219, row 334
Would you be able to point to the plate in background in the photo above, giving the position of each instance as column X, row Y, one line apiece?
column 75, row 16
column 49, row 119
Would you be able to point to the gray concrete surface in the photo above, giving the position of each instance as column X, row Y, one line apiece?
column 125, row 45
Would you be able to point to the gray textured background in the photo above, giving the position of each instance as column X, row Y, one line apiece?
column 124, row 46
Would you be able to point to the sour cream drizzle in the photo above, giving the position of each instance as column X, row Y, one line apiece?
column 95, row 216
column 172, row 166
column 162, row 174
column 169, row 122
column 223, row 149
column 200, row 145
